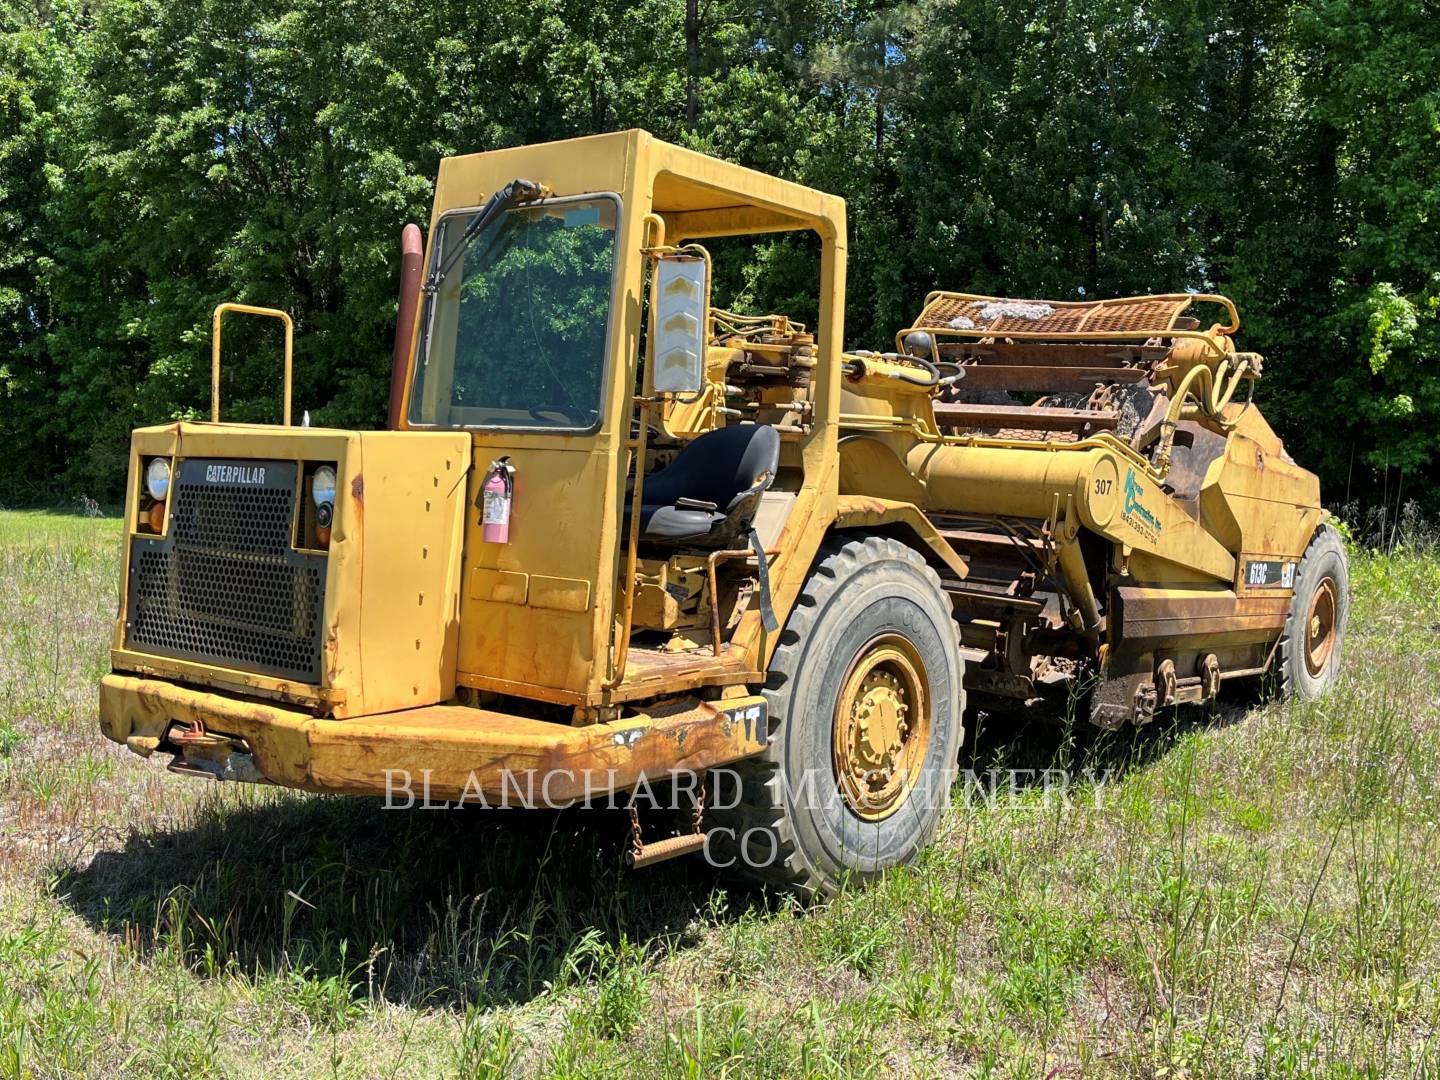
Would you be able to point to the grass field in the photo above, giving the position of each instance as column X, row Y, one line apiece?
column 1249, row 893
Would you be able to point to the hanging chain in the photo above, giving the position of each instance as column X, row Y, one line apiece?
column 699, row 804
column 637, row 845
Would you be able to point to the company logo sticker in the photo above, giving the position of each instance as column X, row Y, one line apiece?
column 1136, row 514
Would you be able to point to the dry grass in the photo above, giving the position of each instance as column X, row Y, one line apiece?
column 1250, row 893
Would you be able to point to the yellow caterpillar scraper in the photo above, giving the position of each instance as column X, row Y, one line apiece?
column 777, row 562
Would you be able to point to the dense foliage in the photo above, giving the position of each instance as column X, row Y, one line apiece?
column 158, row 157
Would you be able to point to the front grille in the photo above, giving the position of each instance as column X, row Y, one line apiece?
column 226, row 585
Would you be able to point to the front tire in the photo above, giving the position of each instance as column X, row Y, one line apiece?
column 1308, row 660
column 866, row 699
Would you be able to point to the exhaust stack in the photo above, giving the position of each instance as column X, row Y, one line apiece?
column 410, row 258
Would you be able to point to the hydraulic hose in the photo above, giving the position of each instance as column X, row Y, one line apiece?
column 906, row 358
column 854, row 368
column 1213, row 389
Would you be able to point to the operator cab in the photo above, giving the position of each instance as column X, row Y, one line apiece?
column 727, row 401
column 653, row 445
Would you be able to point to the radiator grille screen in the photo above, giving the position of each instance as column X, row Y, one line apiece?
column 225, row 585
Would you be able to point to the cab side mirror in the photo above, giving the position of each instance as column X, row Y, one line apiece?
column 682, row 315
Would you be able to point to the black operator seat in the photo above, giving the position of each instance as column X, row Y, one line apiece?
column 708, row 495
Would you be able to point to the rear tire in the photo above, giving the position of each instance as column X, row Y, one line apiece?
column 1308, row 659
column 866, row 699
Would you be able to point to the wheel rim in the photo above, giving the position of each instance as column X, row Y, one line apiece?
column 882, row 726
column 1320, row 628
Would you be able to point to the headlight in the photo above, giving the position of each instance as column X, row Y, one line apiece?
column 322, row 486
column 157, row 478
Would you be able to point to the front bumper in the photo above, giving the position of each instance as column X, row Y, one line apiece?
column 443, row 752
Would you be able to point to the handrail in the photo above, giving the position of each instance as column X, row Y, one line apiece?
column 247, row 309
column 979, row 333
column 621, row 652
column 1108, row 301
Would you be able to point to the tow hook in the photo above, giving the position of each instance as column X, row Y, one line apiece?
column 206, row 753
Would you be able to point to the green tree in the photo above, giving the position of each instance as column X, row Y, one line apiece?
column 35, row 65
column 157, row 158
column 1345, row 267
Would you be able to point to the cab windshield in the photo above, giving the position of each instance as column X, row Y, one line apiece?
column 514, row 334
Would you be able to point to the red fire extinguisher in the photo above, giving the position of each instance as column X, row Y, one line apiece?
column 497, row 495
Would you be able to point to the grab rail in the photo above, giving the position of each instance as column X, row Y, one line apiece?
column 1083, row 310
column 247, row 309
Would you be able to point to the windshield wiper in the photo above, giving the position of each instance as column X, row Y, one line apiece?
column 512, row 194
